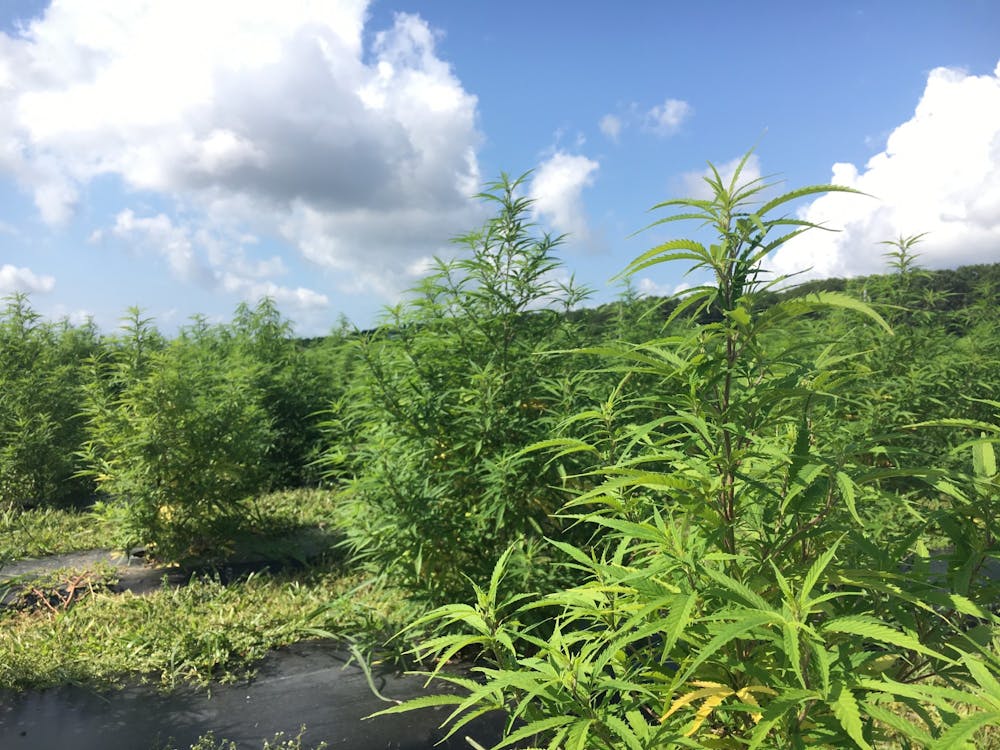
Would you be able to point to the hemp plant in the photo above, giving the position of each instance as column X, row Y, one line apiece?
column 732, row 597
column 178, row 439
column 449, row 389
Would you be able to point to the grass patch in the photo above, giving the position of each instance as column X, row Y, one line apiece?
column 39, row 532
column 208, row 630
column 197, row 633
column 48, row 531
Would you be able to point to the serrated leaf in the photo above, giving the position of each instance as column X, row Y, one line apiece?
column 746, row 593
column 869, row 627
column 815, row 571
column 677, row 620
column 846, row 486
column 987, row 681
column 666, row 252
column 796, row 306
column 424, row 701
column 533, row 728
column 845, row 708
column 624, row 731
column 898, row 723
column 957, row 736
column 751, row 620
column 803, row 192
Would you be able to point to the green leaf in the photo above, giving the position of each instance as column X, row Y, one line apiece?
column 815, row 571
column 535, row 727
column 424, row 701
column 876, row 630
column 665, row 253
column 677, row 620
column 749, row 620
column 743, row 591
column 739, row 315
column 845, row 708
column 797, row 306
column 957, row 736
column 984, row 460
column 846, row 486
column 784, row 703
column 624, row 731
column 898, row 723
column 803, row 192
column 987, row 681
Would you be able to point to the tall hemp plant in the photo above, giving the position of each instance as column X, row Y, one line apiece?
column 732, row 598
column 450, row 388
column 42, row 375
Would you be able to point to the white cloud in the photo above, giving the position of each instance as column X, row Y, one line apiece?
column 667, row 118
column 252, row 114
column 172, row 242
column 939, row 173
column 15, row 279
column 694, row 184
column 78, row 317
column 298, row 298
column 557, row 192
column 213, row 261
column 611, row 126
column 649, row 288
column 662, row 120
column 420, row 267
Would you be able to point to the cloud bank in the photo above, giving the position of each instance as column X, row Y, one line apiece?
column 939, row 173
column 269, row 120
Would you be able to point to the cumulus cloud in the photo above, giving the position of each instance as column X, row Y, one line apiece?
column 15, row 279
column 274, row 117
column 557, row 192
column 214, row 262
column 939, row 173
column 611, row 126
column 76, row 317
column 667, row 118
column 661, row 120
column 647, row 287
column 695, row 186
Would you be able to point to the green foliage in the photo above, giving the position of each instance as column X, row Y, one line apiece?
column 197, row 633
column 901, row 258
column 41, row 377
column 49, row 531
column 295, row 383
column 736, row 597
column 451, row 386
column 177, row 438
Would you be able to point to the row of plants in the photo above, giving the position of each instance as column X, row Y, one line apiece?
column 172, row 437
column 746, row 516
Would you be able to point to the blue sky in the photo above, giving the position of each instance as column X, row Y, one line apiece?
column 183, row 156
